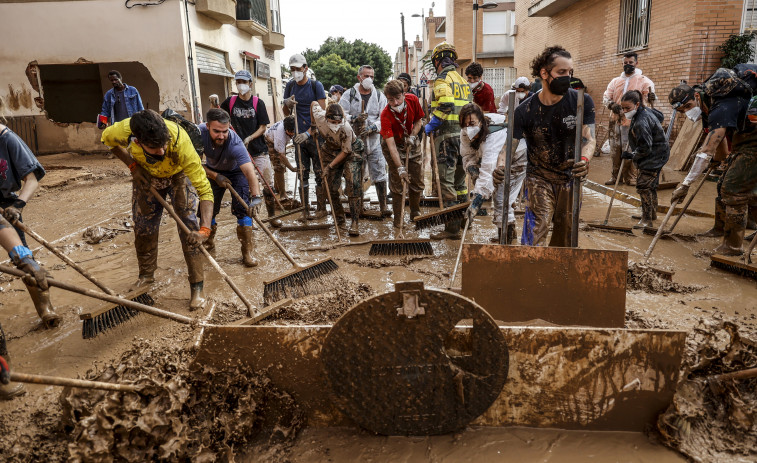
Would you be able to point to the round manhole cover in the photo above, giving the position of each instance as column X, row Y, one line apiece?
column 398, row 365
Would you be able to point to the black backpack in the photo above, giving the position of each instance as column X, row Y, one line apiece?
column 192, row 130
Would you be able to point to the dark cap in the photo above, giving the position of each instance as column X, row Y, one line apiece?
column 406, row 77
column 680, row 95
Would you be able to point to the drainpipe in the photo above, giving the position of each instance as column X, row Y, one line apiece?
column 191, row 63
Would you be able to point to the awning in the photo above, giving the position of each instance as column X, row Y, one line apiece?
column 211, row 61
column 250, row 55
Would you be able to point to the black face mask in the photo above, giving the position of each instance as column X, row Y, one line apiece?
column 559, row 85
column 629, row 68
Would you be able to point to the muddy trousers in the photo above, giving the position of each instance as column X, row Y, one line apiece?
column 8, row 202
column 517, row 177
column 334, row 181
column 451, row 177
column 240, row 185
column 147, row 213
column 309, row 155
column 617, row 133
column 738, row 187
column 646, row 185
column 547, row 203
column 279, row 170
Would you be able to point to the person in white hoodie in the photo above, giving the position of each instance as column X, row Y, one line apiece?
column 630, row 79
column 363, row 104
column 522, row 89
column 482, row 138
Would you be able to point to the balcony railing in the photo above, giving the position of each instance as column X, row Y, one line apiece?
column 252, row 10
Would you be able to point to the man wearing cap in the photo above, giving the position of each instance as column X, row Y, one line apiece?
column 630, row 79
column 335, row 93
column 483, row 95
column 407, row 82
column 522, row 89
column 363, row 104
column 301, row 91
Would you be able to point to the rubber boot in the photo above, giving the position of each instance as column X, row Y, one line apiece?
column 735, row 224
column 41, row 300
column 305, row 198
column 646, row 209
column 10, row 390
column 415, row 204
column 147, row 258
column 717, row 230
column 320, row 198
column 451, row 229
column 244, row 234
column 511, row 235
column 397, row 208
column 355, row 216
column 210, row 243
column 270, row 206
column 381, row 194
column 279, row 182
column 197, row 299
column 655, row 203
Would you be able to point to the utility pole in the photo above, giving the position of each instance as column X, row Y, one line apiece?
column 404, row 42
column 476, row 7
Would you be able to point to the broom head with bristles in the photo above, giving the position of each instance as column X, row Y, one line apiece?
column 107, row 317
column 301, row 282
column 441, row 217
column 734, row 266
column 430, row 201
column 401, row 248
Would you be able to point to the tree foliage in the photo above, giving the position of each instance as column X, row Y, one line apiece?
column 356, row 54
column 332, row 69
column 737, row 49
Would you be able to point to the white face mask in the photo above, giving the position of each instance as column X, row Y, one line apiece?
column 243, row 88
column 520, row 95
column 474, row 85
column 472, row 131
column 367, row 83
column 630, row 114
column 298, row 75
column 334, row 126
column 694, row 113
column 399, row 108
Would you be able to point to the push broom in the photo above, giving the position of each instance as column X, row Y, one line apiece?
column 444, row 215
column 402, row 247
column 119, row 313
column 299, row 282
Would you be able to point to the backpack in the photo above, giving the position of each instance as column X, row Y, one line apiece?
column 353, row 92
column 726, row 82
column 192, row 130
column 234, row 100
column 290, row 84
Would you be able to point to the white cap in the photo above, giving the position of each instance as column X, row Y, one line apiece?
column 297, row 60
column 521, row 82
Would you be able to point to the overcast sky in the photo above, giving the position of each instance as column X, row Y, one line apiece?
column 371, row 21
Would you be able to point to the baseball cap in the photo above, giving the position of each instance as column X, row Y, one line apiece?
column 243, row 75
column 521, row 82
column 297, row 60
column 336, row 88
column 680, row 95
column 406, row 77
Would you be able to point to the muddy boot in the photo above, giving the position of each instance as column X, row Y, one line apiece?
column 147, row 258
column 210, row 243
column 646, row 210
column 511, row 235
column 381, row 194
column 415, row 204
column 717, row 229
column 244, row 234
column 354, row 215
column 320, row 197
column 305, row 198
column 41, row 300
column 397, row 209
column 495, row 239
column 270, row 207
column 10, row 390
column 735, row 224
column 655, row 203
column 611, row 181
column 197, row 299
column 451, row 229
column 279, row 183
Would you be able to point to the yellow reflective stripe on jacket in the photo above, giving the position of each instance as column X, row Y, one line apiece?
column 451, row 93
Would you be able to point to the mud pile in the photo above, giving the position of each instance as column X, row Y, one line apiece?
column 715, row 420
column 200, row 415
column 380, row 263
column 325, row 307
column 641, row 277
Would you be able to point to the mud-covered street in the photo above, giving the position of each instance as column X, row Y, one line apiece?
column 85, row 191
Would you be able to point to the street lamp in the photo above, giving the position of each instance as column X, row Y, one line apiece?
column 423, row 46
column 476, row 6
column 404, row 42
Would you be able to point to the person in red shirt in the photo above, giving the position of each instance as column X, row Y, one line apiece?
column 483, row 95
column 401, row 121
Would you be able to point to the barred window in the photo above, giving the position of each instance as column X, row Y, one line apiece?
column 633, row 32
column 749, row 21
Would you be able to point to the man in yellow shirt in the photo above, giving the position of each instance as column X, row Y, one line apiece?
column 160, row 154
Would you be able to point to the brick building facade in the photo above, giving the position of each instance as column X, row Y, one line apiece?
column 683, row 36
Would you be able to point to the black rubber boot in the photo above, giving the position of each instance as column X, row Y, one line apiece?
column 320, row 197
column 354, row 216
column 415, row 204
column 270, row 207
column 717, row 230
column 381, row 194
column 511, row 235
column 147, row 257
column 397, row 208
column 451, row 229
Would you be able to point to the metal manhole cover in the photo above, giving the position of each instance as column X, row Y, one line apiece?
column 398, row 366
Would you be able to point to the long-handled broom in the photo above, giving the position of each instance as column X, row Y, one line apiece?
column 746, row 268
column 325, row 184
column 690, row 199
column 668, row 275
column 402, row 247
column 299, row 282
column 120, row 312
column 443, row 215
column 604, row 225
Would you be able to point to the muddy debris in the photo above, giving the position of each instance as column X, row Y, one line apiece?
column 202, row 414
column 323, row 308
column 642, row 277
column 712, row 420
column 95, row 235
column 381, row 263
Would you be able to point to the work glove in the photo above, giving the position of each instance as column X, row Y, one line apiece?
column 196, row 238
column 222, row 181
column 679, row 194
column 301, row 137
column 101, row 125
column 361, row 118
column 403, row 174
column 498, row 175
column 626, row 155
column 475, row 205
column 652, row 97
column 428, row 129
column 35, row 275
column 473, row 171
column 289, row 102
column 5, row 371
column 615, row 108
column 140, row 176
column 255, row 203
column 413, row 142
column 13, row 213
column 369, row 129
column 326, row 171
column 580, row 169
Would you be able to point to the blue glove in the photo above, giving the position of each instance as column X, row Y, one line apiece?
column 432, row 125
column 626, row 155
column 475, row 205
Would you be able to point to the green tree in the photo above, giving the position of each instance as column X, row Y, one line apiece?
column 737, row 49
column 332, row 69
column 356, row 54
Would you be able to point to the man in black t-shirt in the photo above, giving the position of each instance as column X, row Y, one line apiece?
column 547, row 121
